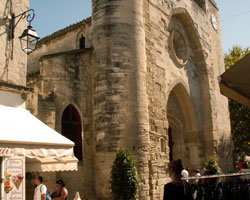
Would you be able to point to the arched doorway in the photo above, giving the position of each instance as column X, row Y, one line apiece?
column 199, row 84
column 183, row 139
column 72, row 129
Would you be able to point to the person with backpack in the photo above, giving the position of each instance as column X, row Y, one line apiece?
column 41, row 192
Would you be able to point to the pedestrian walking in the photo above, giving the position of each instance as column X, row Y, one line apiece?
column 185, row 173
column 177, row 189
column 198, row 174
column 41, row 192
column 61, row 192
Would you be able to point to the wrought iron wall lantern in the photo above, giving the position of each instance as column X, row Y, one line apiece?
column 29, row 37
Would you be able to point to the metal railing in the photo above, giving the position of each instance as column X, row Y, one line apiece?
column 217, row 176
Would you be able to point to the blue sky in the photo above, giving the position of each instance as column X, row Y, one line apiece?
column 235, row 22
column 53, row 15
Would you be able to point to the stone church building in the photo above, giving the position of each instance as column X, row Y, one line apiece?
column 137, row 74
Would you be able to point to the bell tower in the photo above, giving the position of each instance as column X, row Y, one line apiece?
column 120, row 98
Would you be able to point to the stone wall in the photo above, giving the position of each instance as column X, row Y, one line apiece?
column 63, row 40
column 195, row 87
column 13, row 61
column 65, row 79
column 191, row 77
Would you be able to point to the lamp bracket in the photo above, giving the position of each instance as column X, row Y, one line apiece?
column 28, row 14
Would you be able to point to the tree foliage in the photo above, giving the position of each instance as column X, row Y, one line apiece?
column 124, row 177
column 235, row 54
column 239, row 114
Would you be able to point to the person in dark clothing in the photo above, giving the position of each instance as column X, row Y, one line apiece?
column 60, row 193
column 177, row 189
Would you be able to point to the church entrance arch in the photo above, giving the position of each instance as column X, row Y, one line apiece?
column 183, row 135
column 72, row 129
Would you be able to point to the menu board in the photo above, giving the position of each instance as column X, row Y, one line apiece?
column 13, row 172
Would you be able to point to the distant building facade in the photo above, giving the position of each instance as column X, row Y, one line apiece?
column 137, row 74
column 13, row 73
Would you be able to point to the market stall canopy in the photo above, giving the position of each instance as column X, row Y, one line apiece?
column 51, row 164
column 22, row 134
column 235, row 82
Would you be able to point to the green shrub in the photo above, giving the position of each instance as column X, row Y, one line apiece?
column 242, row 157
column 124, row 177
column 212, row 167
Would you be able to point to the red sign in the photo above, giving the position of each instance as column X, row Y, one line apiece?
column 6, row 152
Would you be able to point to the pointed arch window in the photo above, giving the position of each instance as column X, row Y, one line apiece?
column 72, row 129
column 82, row 42
column 201, row 3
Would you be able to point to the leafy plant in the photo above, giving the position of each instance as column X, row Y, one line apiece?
column 212, row 167
column 242, row 157
column 124, row 177
column 242, row 161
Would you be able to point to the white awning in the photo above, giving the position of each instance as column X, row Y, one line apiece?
column 235, row 82
column 25, row 135
column 51, row 164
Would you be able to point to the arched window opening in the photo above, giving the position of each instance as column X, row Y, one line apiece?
column 201, row 3
column 179, row 48
column 82, row 42
column 72, row 129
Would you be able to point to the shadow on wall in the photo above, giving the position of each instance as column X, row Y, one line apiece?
column 223, row 151
column 5, row 21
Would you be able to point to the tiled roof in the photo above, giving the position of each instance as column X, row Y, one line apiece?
column 63, row 31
